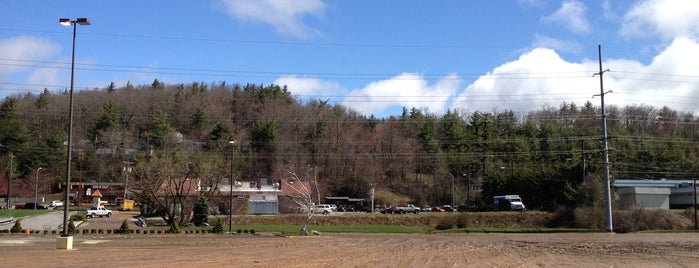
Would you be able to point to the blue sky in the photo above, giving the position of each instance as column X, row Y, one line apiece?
column 372, row 56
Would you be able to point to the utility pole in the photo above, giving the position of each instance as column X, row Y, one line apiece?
column 607, row 189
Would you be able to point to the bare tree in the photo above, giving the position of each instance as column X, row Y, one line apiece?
column 304, row 193
column 168, row 186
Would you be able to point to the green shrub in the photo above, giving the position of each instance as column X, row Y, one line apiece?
column 174, row 228
column 78, row 217
column 71, row 227
column 124, row 229
column 17, row 228
column 218, row 227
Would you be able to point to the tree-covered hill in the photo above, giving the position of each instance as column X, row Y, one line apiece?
column 456, row 157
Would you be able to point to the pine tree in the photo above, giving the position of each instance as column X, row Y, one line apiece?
column 201, row 211
column 124, row 229
column 17, row 228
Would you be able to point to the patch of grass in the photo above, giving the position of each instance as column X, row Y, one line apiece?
column 520, row 230
column 18, row 213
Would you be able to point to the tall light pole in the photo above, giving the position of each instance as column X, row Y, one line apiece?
column 9, row 181
column 230, row 193
column 74, row 23
column 372, row 193
column 127, row 171
column 36, row 187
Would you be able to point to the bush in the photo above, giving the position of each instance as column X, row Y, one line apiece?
column 124, row 229
column 446, row 223
column 17, row 228
column 71, row 228
column 590, row 217
column 638, row 219
column 78, row 217
column 218, row 227
column 462, row 220
column 562, row 217
column 174, row 228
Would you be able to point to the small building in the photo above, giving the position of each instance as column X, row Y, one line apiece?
column 262, row 195
column 655, row 194
column 644, row 197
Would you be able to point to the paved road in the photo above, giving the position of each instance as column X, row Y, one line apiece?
column 39, row 222
column 54, row 219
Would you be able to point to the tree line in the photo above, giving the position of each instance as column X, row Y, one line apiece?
column 457, row 157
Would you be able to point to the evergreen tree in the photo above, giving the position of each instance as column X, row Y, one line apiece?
column 17, row 228
column 201, row 211
column 124, row 229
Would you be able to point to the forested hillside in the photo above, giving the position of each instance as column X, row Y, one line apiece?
column 415, row 156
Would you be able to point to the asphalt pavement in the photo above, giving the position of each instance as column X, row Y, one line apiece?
column 51, row 220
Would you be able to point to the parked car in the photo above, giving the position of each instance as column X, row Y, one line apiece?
column 32, row 205
column 346, row 208
column 388, row 210
column 437, row 209
column 56, row 203
column 448, row 208
column 467, row 207
column 324, row 209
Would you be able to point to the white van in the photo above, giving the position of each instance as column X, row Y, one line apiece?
column 507, row 202
column 324, row 209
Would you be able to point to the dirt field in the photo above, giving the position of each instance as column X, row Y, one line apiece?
column 352, row 250
column 357, row 250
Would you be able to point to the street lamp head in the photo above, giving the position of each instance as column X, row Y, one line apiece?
column 231, row 142
column 69, row 22
column 83, row 21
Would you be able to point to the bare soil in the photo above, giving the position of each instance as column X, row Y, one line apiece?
column 355, row 250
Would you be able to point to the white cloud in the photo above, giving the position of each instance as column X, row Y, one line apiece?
column 21, row 51
column 571, row 15
column 538, row 78
column 667, row 18
column 284, row 15
column 541, row 41
column 310, row 88
column 671, row 79
column 405, row 90
column 541, row 78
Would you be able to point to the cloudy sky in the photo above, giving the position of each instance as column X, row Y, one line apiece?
column 373, row 56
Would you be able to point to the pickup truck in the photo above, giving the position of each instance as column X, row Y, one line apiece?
column 97, row 211
column 410, row 208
